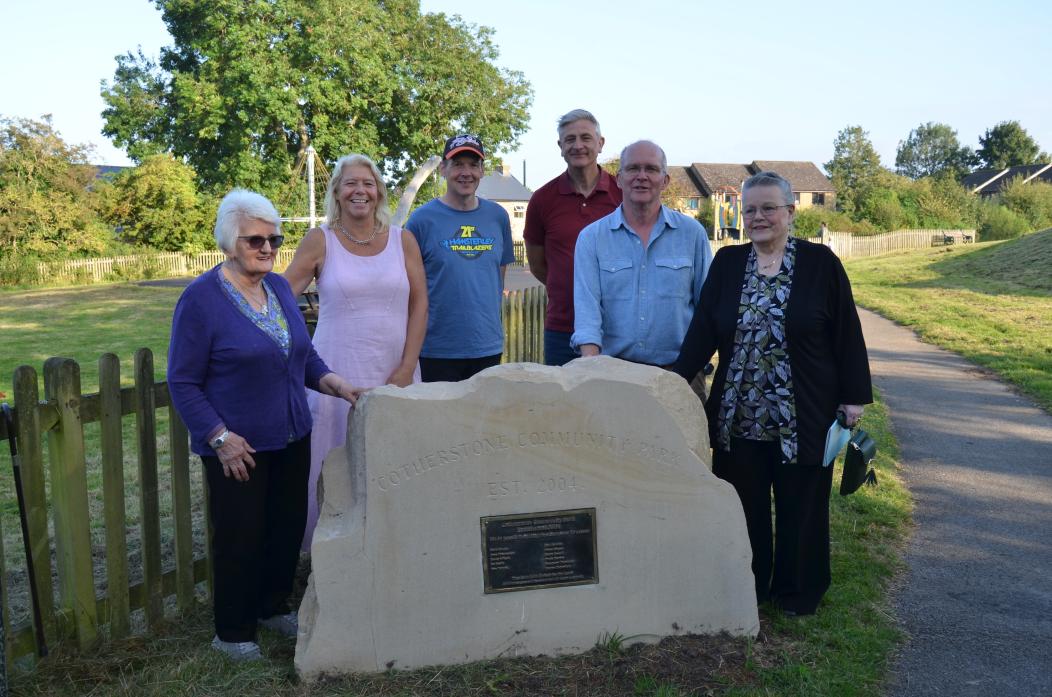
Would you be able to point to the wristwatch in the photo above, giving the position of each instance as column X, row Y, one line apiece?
column 217, row 442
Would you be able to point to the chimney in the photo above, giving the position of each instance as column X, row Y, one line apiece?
column 505, row 169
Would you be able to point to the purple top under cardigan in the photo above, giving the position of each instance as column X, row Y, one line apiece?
column 223, row 370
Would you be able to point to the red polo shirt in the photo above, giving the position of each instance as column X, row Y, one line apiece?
column 555, row 216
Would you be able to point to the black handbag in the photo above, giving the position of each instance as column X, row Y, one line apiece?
column 861, row 450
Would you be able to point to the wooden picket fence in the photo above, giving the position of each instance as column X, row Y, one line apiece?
column 847, row 245
column 523, row 315
column 71, row 606
column 161, row 265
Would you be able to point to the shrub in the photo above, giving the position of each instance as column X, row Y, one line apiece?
column 808, row 220
column 1032, row 201
column 883, row 208
column 1001, row 223
column 18, row 270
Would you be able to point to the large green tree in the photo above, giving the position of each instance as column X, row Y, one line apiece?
column 47, row 204
column 854, row 169
column 247, row 85
column 933, row 149
column 156, row 204
column 1008, row 144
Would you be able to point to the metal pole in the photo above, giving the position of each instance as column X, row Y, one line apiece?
column 310, row 186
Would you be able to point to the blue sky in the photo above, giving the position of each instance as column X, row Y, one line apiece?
column 709, row 81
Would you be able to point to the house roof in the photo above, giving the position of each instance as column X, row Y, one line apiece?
column 986, row 182
column 497, row 186
column 802, row 175
column 683, row 182
column 712, row 176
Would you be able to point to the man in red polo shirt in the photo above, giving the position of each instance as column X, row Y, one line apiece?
column 557, row 213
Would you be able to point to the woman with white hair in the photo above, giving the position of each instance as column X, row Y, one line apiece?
column 373, row 301
column 238, row 364
column 791, row 357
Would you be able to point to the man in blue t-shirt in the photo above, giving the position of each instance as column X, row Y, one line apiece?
column 466, row 245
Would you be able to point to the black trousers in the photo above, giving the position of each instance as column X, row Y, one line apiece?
column 791, row 565
column 454, row 369
column 257, row 529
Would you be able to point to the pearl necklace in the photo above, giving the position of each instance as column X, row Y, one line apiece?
column 355, row 240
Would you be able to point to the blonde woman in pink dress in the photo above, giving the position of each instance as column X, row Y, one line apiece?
column 373, row 302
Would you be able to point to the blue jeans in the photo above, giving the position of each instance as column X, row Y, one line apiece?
column 557, row 349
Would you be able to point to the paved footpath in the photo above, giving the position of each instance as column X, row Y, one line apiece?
column 976, row 599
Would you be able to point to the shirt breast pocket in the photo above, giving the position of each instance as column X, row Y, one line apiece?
column 616, row 280
column 674, row 276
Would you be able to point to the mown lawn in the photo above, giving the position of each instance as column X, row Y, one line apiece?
column 841, row 651
column 989, row 302
column 84, row 322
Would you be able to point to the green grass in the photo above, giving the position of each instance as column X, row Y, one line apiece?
column 82, row 323
column 843, row 650
column 989, row 302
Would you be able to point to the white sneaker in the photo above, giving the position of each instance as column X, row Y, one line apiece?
column 286, row 625
column 238, row 650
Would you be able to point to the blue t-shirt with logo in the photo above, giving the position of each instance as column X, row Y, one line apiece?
column 463, row 254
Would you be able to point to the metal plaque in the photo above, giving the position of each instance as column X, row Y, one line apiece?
column 538, row 550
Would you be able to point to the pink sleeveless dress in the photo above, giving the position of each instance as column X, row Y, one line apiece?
column 362, row 318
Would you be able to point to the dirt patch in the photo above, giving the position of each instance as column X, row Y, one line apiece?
column 694, row 665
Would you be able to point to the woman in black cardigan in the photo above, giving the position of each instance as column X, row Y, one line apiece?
column 780, row 313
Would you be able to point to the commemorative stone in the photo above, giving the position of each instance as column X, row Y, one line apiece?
column 528, row 510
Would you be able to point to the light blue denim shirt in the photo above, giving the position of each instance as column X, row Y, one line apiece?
column 637, row 303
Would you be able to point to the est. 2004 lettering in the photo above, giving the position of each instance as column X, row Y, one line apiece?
column 546, row 485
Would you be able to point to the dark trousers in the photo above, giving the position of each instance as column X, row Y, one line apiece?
column 257, row 530
column 454, row 369
column 557, row 349
column 792, row 565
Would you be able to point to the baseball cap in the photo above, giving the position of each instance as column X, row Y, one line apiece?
column 465, row 142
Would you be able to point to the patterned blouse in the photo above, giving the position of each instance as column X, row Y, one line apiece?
column 271, row 320
column 758, row 402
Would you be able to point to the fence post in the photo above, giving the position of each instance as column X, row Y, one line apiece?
column 178, row 441
column 149, row 506
column 114, row 513
column 69, row 495
column 506, row 321
column 31, row 455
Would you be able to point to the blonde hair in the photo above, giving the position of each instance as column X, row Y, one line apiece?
column 332, row 203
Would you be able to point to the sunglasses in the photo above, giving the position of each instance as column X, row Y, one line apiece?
column 257, row 241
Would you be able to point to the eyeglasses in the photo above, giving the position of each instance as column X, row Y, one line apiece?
column 257, row 241
column 767, row 210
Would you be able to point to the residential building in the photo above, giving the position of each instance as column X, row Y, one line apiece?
column 988, row 182
column 504, row 189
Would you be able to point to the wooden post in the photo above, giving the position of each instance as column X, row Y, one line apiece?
column 114, row 513
column 69, row 495
column 31, row 455
column 179, row 443
column 507, row 322
column 149, row 506
column 515, row 337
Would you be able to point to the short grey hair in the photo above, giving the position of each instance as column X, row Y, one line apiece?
column 332, row 203
column 771, row 179
column 238, row 207
column 664, row 160
column 577, row 115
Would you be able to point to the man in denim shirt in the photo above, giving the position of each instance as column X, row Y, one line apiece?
column 638, row 272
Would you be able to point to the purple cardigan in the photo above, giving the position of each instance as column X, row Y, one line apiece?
column 223, row 370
